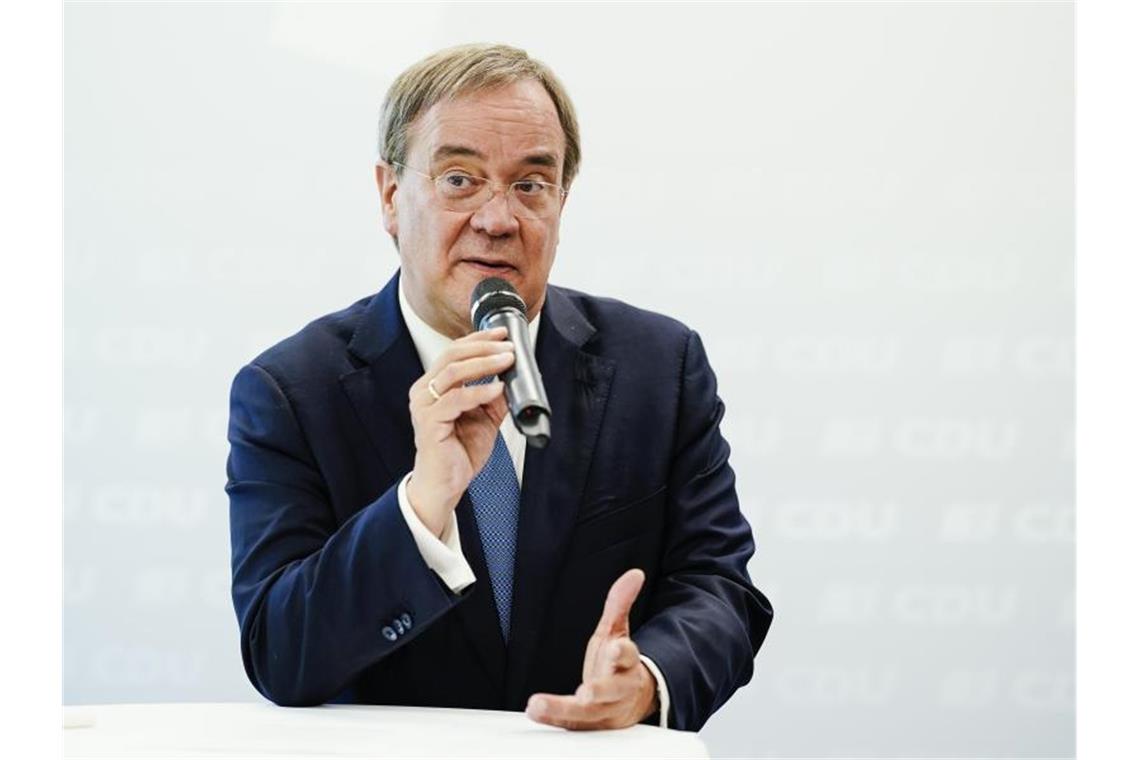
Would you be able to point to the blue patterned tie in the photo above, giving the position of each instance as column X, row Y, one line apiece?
column 495, row 496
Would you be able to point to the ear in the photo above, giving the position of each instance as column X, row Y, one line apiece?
column 386, row 185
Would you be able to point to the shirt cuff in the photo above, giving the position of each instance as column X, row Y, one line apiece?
column 444, row 557
column 662, row 689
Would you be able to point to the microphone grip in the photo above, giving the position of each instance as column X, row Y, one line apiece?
column 526, row 396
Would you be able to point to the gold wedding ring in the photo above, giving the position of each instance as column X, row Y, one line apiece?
column 431, row 389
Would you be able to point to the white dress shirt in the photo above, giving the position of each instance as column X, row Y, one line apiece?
column 444, row 555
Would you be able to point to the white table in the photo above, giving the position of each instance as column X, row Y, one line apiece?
column 262, row 730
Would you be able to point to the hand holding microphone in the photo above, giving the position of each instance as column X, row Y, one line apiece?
column 456, row 424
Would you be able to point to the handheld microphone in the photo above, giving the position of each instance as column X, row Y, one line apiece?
column 495, row 303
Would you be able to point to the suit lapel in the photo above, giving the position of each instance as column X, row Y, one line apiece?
column 378, row 392
column 577, row 386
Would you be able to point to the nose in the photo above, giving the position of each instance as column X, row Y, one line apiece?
column 496, row 217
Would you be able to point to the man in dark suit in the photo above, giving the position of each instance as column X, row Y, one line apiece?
column 395, row 541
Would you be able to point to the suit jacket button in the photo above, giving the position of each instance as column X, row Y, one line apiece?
column 406, row 619
column 388, row 633
column 400, row 629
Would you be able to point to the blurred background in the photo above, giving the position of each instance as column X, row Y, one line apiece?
column 866, row 210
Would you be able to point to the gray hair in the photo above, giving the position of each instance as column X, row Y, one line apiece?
column 462, row 70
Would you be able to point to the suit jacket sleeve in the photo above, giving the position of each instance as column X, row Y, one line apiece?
column 317, row 602
column 705, row 620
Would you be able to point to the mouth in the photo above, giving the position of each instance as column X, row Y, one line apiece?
column 490, row 267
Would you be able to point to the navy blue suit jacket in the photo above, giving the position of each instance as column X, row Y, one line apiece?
column 335, row 602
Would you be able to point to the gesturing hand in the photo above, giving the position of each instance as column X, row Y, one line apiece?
column 617, row 689
column 456, row 431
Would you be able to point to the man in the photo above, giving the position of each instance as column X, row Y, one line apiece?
column 394, row 539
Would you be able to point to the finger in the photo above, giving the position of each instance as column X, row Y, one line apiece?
column 418, row 393
column 494, row 333
column 496, row 410
column 615, row 615
column 621, row 654
column 568, row 712
column 462, row 399
column 614, row 688
column 459, row 350
column 459, row 372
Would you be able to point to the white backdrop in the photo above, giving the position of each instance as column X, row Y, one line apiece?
column 866, row 210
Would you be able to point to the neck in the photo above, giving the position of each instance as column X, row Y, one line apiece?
column 431, row 317
column 447, row 325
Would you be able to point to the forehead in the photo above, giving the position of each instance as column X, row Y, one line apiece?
column 504, row 124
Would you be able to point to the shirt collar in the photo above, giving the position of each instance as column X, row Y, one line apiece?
column 428, row 342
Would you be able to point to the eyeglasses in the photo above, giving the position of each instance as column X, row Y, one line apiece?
column 459, row 191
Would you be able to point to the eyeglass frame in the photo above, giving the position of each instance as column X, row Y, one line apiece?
column 562, row 192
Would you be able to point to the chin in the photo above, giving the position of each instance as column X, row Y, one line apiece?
column 470, row 275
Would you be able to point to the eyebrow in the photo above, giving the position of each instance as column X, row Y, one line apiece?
column 447, row 151
column 542, row 159
column 535, row 159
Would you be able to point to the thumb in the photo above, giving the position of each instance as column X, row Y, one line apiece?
column 615, row 615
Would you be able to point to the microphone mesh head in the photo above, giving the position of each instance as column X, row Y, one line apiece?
column 491, row 295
